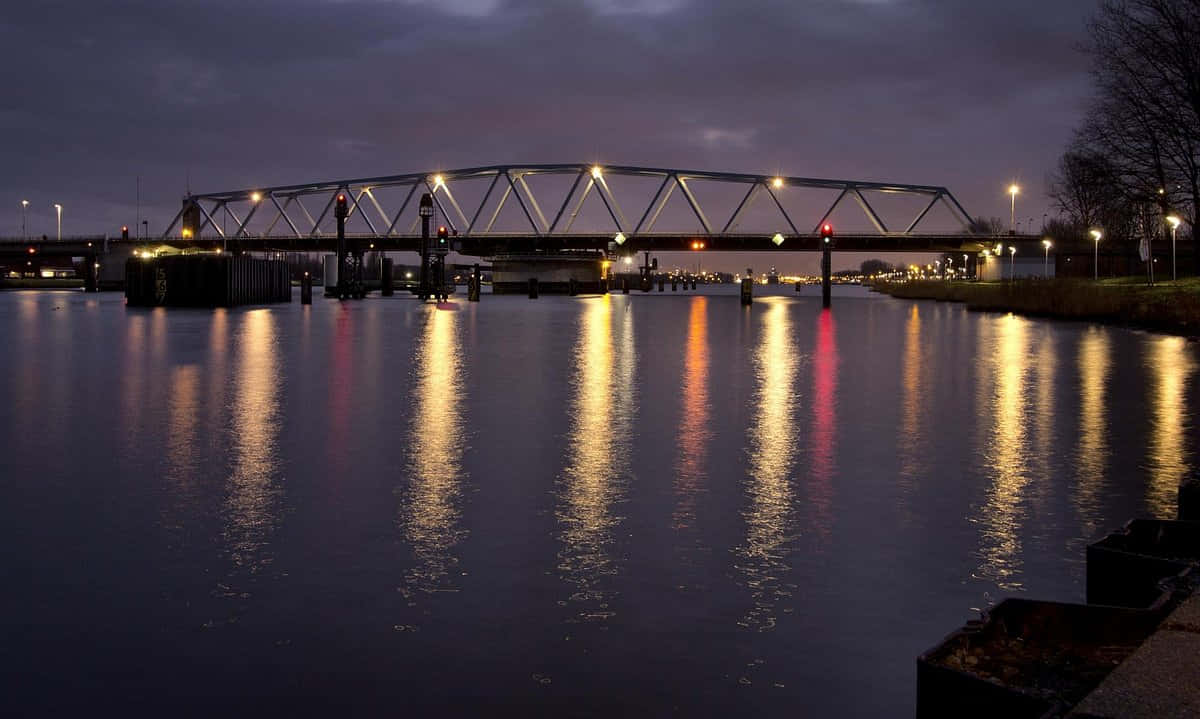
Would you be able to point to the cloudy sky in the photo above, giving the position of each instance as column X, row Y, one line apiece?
column 218, row 94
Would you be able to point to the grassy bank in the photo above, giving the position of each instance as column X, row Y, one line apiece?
column 1167, row 307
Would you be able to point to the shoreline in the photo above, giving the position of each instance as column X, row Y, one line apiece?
column 1168, row 307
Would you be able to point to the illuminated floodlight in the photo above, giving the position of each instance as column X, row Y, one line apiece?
column 439, row 181
column 777, row 183
column 619, row 238
column 255, row 197
column 628, row 259
column 596, row 172
column 777, row 239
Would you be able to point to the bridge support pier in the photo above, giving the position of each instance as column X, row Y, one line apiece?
column 826, row 275
column 748, row 288
column 90, row 274
column 385, row 277
column 306, row 289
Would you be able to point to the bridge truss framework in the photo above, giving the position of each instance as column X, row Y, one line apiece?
column 296, row 222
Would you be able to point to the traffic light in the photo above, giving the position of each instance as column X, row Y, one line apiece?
column 124, row 232
column 340, row 210
column 443, row 240
column 827, row 234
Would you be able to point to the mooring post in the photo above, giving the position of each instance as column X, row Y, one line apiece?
column 385, row 278
column 306, row 289
column 625, row 286
column 674, row 283
column 826, row 279
column 693, row 283
column 89, row 274
column 533, row 288
column 476, row 282
column 572, row 288
column 748, row 287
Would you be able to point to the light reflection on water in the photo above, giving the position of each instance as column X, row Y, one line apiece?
column 272, row 435
column 912, row 442
column 254, row 483
column 823, row 450
column 1003, row 447
column 431, row 499
column 1092, row 448
column 769, row 516
column 694, row 424
column 602, row 412
column 1169, row 364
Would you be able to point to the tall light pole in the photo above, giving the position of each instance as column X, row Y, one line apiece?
column 965, row 274
column 1046, row 259
column 58, row 209
column 24, row 231
column 1174, row 221
column 1012, row 216
column 1012, row 259
column 1096, row 235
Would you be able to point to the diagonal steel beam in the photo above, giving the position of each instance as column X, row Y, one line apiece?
column 649, row 207
column 486, row 196
column 663, row 202
column 870, row 212
column 382, row 215
column 208, row 218
column 328, row 205
column 579, row 205
column 316, row 231
column 283, row 214
column 745, row 204
column 521, row 203
column 533, row 201
column 695, row 205
column 610, row 201
column 403, row 206
column 453, row 202
column 825, row 217
column 913, row 225
column 566, row 200
column 787, row 218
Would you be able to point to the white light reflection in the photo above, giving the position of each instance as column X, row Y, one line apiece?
column 602, row 411
column 252, row 487
column 763, row 559
column 1169, row 364
column 1003, row 409
column 430, row 503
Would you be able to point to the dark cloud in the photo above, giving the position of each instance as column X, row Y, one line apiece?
column 223, row 94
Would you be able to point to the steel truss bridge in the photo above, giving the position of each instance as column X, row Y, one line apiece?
column 550, row 224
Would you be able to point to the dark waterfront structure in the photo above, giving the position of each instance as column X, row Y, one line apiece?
column 205, row 281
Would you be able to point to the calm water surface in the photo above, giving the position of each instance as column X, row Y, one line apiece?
column 588, row 506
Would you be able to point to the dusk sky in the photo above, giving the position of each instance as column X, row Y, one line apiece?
column 225, row 95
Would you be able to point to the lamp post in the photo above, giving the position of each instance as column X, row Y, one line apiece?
column 24, row 231
column 1012, row 217
column 1046, row 259
column 1174, row 221
column 58, row 209
column 1096, row 235
column 965, row 276
column 1012, row 259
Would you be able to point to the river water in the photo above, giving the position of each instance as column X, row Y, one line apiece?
column 596, row 506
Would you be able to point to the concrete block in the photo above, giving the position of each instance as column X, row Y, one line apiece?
column 1158, row 680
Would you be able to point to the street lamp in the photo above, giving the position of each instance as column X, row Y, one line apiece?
column 1096, row 235
column 1046, row 259
column 965, row 277
column 1012, row 258
column 1012, row 217
column 1174, row 221
column 58, row 209
column 24, row 232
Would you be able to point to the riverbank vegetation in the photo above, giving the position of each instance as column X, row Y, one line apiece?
column 1167, row 306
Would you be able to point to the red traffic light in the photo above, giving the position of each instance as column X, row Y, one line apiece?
column 442, row 232
column 341, row 199
column 827, row 230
